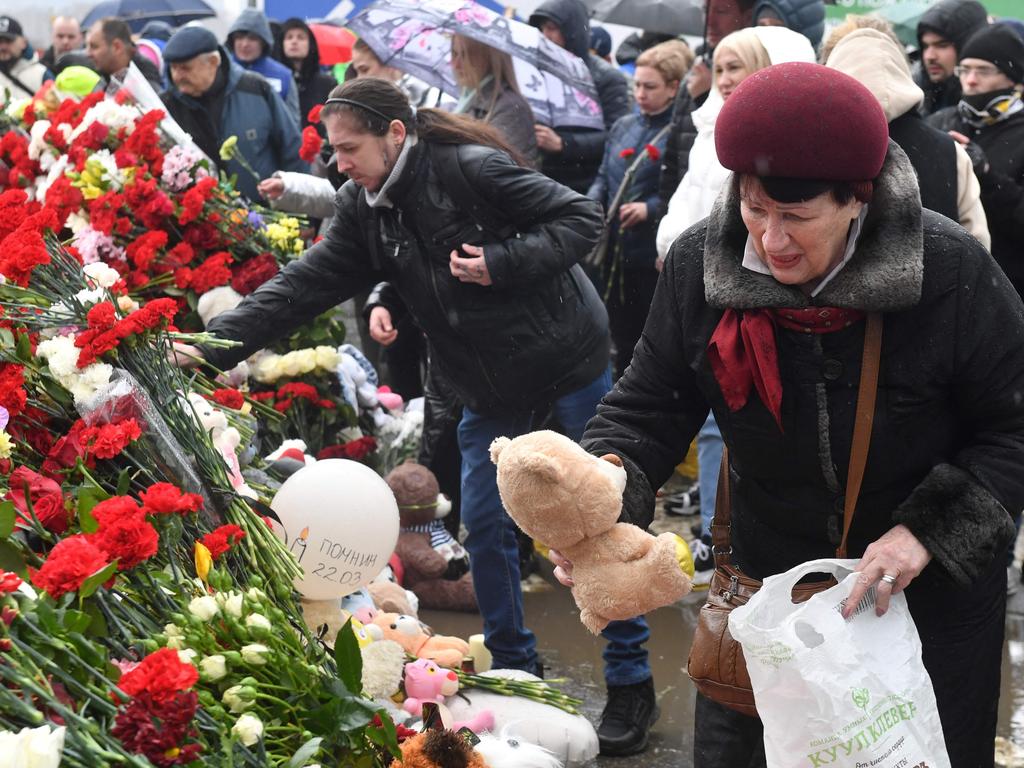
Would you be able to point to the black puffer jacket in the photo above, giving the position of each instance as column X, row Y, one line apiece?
column 804, row 16
column 953, row 20
column 948, row 438
column 1002, row 185
column 576, row 165
column 538, row 333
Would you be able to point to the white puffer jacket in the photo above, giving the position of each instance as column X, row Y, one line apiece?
column 705, row 177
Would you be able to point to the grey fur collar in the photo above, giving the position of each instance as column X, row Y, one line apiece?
column 884, row 275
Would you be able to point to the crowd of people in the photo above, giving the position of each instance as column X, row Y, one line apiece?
column 753, row 200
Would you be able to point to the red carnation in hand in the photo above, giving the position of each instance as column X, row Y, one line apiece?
column 162, row 674
column 653, row 152
column 46, row 497
column 220, row 540
column 311, row 143
column 167, row 499
column 229, row 398
column 69, row 564
column 627, row 153
column 314, row 113
column 129, row 540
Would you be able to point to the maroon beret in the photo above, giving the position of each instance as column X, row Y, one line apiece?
column 802, row 121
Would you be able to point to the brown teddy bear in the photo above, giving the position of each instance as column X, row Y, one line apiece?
column 410, row 633
column 570, row 500
column 436, row 567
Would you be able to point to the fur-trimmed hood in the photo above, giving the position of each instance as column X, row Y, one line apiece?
column 884, row 275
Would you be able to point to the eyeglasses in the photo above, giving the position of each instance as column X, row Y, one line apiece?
column 961, row 71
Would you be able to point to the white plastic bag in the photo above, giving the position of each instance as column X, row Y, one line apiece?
column 832, row 692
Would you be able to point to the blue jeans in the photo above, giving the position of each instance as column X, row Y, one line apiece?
column 709, row 462
column 494, row 554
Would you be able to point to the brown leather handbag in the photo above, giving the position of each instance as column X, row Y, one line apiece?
column 716, row 664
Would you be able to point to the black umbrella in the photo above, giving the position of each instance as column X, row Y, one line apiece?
column 672, row 17
column 137, row 13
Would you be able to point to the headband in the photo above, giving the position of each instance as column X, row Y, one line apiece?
column 367, row 107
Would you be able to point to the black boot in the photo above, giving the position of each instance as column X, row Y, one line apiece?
column 627, row 718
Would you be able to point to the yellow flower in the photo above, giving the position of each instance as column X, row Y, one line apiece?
column 6, row 445
column 204, row 560
column 227, row 149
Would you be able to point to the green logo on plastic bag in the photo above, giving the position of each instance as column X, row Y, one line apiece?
column 861, row 697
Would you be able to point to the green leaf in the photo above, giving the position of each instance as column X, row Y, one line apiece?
column 11, row 559
column 6, row 338
column 305, row 752
column 124, row 482
column 88, row 497
column 348, row 658
column 23, row 347
column 8, row 514
column 91, row 584
column 76, row 621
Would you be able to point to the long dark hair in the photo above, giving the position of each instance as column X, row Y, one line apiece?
column 373, row 104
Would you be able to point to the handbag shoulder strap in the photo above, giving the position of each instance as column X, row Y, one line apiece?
column 721, row 537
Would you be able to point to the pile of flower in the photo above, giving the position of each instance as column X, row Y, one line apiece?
column 155, row 212
column 147, row 615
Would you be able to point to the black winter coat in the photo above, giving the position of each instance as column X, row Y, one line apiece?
column 538, row 333
column 576, row 165
column 1002, row 187
column 956, row 21
column 948, row 441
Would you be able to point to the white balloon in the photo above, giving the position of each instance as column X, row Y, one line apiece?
column 341, row 522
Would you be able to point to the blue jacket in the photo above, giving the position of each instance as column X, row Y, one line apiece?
column 268, row 137
column 633, row 132
column 804, row 16
column 277, row 74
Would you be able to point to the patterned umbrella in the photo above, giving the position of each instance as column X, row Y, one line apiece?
column 416, row 38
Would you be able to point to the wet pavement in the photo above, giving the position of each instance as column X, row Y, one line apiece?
column 569, row 650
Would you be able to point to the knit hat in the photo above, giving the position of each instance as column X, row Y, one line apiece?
column 802, row 121
column 189, row 42
column 999, row 44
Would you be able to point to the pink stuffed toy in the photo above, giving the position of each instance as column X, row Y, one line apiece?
column 426, row 681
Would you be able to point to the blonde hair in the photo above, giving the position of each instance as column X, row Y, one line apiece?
column 747, row 47
column 479, row 61
column 852, row 23
column 672, row 59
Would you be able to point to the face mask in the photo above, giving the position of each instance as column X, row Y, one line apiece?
column 983, row 109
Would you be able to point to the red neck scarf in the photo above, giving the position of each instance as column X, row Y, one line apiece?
column 743, row 354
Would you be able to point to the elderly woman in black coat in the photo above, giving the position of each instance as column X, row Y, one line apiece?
column 759, row 316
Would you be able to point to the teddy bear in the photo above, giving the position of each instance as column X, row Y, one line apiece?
column 436, row 566
column 570, row 501
column 438, row 748
column 409, row 633
column 225, row 439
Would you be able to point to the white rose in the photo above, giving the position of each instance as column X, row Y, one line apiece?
column 255, row 654
column 101, row 275
column 233, row 605
column 36, row 747
column 236, row 699
column 187, row 656
column 127, row 304
column 258, row 621
column 248, row 729
column 213, row 667
column 291, row 364
column 203, row 608
column 266, row 370
column 327, row 358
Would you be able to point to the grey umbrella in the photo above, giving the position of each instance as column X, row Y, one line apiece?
column 671, row 17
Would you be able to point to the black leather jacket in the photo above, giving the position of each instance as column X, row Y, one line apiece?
column 536, row 334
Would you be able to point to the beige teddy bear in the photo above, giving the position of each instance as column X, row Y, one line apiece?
column 570, row 501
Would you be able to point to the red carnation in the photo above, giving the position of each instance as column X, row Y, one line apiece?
column 46, row 498
column 167, row 499
column 102, row 316
column 158, row 729
column 192, row 202
column 314, row 114
column 68, row 565
column 162, row 674
column 12, row 388
column 627, row 153
column 298, row 389
column 108, row 440
column 64, row 198
column 653, row 152
column 66, row 452
column 310, row 144
column 129, row 540
column 229, row 398
column 220, row 540
column 251, row 274
column 9, row 582
column 144, row 250
column 115, row 509
column 213, row 272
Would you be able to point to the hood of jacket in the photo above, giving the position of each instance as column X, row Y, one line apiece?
column 954, row 20
column 873, row 59
column 572, row 18
column 254, row 22
column 804, row 16
column 311, row 64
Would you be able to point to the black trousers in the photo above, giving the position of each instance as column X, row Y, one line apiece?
column 962, row 647
column 628, row 299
